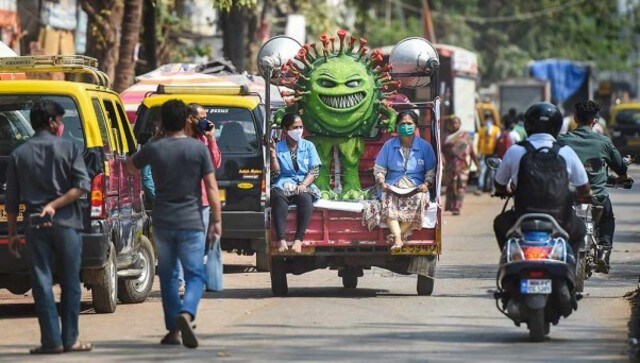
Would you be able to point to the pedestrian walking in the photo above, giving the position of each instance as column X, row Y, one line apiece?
column 179, row 164
column 487, row 139
column 53, row 219
column 457, row 149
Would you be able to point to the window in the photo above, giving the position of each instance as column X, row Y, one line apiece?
column 235, row 129
column 102, row 123
column 628, row 117
column 113, row 121
column 125, row 127
column 15, row 127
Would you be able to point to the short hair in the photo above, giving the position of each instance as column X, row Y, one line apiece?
column 192, row 109
column 288, row 120
column 410, row 113
column 42, row 111
column 174, row 115
column 586, row 111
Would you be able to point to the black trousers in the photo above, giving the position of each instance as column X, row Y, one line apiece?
column 503, row 223
column 607, row 224
column 279, row 209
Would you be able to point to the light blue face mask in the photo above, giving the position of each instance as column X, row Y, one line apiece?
column 406, row 129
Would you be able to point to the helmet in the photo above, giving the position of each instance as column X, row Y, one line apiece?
column 543, row 118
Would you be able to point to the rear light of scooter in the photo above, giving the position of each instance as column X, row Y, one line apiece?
column 559, row 250
column 513, row 250
column 536, row 253
column 98, row 196
column 263, row 191
column 536, row 274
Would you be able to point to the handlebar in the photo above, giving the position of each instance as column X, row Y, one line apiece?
column 615, row 182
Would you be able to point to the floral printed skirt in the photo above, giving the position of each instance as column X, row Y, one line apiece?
column 404, row 209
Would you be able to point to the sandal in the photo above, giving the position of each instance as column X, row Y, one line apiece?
column 172, row 338
column 79, row 346
column 189, row 338
column 43, row 350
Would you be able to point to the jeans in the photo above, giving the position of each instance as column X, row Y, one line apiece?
column 280, row 208
column 485, row 179
column 607, row 224
column 184, row 246
column 62, row 247
column 205, row 211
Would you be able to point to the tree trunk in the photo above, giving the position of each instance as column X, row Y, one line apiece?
column 149, row 41
column 130, row 34
column 103, row 41
column 234, row 38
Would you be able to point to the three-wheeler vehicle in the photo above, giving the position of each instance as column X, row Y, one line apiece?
column 336, row 237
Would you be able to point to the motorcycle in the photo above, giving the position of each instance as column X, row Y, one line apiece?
column 590, row 211
column 535, row 280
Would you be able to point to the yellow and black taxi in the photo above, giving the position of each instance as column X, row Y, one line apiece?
column 625, row 126
column 239, row 124
column 117, row 258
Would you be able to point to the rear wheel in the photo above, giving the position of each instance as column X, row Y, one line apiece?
column 581, row 271
column 262, row 261
column 536, row 325
column 426, row 284
column 350, row 281
column 137, row 290
column 278, row 274
column 105, row 294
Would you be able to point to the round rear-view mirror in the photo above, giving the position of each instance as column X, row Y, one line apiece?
column 493, row 163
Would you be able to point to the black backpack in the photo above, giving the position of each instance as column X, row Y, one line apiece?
column 543, row 183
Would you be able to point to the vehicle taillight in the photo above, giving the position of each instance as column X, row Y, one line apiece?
column 536, row 253
column 263, row 191
column 98, row 196
column 535, row 274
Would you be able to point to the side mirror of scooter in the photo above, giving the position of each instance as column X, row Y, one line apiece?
column 493, row 163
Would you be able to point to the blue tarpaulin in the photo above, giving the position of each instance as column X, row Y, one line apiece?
column 565, row 76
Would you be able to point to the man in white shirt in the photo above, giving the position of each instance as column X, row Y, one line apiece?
column 542, row 123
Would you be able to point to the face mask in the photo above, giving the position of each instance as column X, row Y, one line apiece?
column 488, row 124
column 295, row 134
column 406, row 129
column 204, row 125
column 60, row 130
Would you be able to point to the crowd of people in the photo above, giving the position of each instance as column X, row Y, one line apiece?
column 186, row 211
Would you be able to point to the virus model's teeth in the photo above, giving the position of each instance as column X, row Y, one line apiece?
column 343, row 102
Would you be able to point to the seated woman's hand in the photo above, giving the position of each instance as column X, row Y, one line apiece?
column 301, row 189
column 385, row 187
column 424, row 187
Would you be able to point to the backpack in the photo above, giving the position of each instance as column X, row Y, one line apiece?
column 503, row 143
column 543, row 183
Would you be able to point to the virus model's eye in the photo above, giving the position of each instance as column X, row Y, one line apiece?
column 326, row 83
column 353, row 84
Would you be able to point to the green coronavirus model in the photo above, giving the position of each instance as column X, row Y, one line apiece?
column 340, row 94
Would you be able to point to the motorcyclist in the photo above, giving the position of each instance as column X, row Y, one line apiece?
column 542, row 122
column 597, row 153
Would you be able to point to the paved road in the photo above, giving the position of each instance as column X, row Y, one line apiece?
column 382, row 320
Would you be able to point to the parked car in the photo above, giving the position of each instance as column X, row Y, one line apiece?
column 625, row 127
column 239, row 124
column 117, row 257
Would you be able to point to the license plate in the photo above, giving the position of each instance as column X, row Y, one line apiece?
column 415, row 250
column 3, row 213
column 223, row 195
column 528, row 286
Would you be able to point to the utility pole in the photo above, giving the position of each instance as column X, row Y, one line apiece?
column 427, row 22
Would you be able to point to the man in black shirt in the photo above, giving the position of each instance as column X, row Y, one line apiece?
column 48, row 175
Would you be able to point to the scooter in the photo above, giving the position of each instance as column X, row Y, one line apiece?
column 535, row 280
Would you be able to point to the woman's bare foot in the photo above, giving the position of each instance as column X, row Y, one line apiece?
column 398, row 244
column 297, row 246
column 283, row 247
